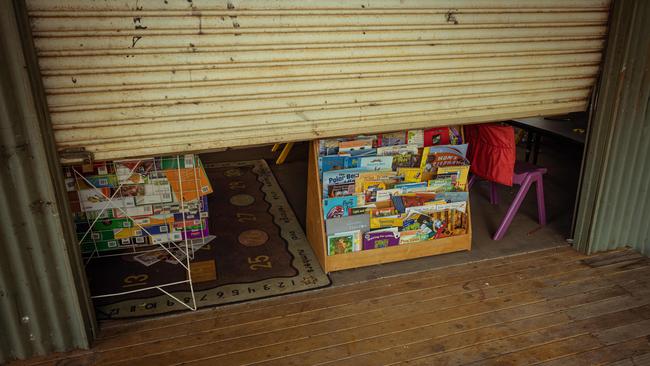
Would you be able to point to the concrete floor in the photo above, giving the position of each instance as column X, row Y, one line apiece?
column 524, row 235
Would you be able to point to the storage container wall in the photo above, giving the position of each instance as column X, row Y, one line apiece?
column 614, row 209
column 43, row 307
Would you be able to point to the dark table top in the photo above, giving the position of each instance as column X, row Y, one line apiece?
column 574, row 129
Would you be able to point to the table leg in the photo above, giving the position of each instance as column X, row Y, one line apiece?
column 538, row 140
column 529, row 143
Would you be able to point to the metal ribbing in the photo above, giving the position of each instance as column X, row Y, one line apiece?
column 194, row 75
column 615, row 207
column 40, row 307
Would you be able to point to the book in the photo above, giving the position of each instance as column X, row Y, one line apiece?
column 415, row 137
column 353, row 145
column 386, row 194
column 434, row 157
column 343, row 176
column 372, row 176
column 337, row 162
column 386, row 222
column 436, row 136
column 412, row 187
column 440, row 184
column 375, row 162
column 397, row 150
column 450, row 197
column 411, row 175
column 344, row 242
column 380, row 239
column 392, row 138
column 458, row 175
column 348, row 223
column 338, row 206
column 345, row 189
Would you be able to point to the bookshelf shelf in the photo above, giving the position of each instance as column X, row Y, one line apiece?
column 317, row 238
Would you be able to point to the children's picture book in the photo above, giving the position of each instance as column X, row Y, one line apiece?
column 438, row 156
column 415, row 137
column 397, row 150
column 370, row 189
column 372, row 176
column 391, row 138
column 412, row 187
column 348, row 147
column 343, row 176
column 380, row 239
column 450, row 197
column 409, row 237
column 344, row 242
column 338, row 206
column 386, row 222
column 436, row 136
column 385, row 194
column 338, row 190
column 328, row 147
column 458, row 175
column 375, row 162
column 411, row 175
column 348, row 223
column 440, row 184
column 337, row 162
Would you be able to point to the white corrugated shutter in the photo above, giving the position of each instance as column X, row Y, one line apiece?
column 141, row 77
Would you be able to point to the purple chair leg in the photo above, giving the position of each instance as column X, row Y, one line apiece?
column 541, row 208
column 471, row 182
column 494, row 193
column 512, row 210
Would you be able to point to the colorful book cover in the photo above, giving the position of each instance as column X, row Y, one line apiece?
column 344, row 242
column 380, row 239
column 438, row 156
column 348, row 223
column 458, row 174
column 397, row 150
column 410, row 237
column 386, row 194
column 335, row 177
column 411, row 175
column 436, row 136
column 415, row 137
column 347, row 147
column 376, row 162
column 392, row 138
column 361, row 210
column 338, row 206
column 194, row 182
column 386, row 222
column 337, row 162
column 133, row 171
column 339, row 190
column 440, row 184
column 412, row 187
column 450, row 197
column 372, row 176
column 328, row 147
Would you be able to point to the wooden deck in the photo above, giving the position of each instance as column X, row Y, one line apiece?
column 554, row 307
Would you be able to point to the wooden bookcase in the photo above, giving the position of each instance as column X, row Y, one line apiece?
column 318, row 240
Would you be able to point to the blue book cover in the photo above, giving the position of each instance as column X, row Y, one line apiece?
column 337, row 162
column 412, row 187
column 338, row 206
column 376, row 162
column 342, row 176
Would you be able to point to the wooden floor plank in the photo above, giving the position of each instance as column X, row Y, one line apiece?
column 341, row 331
column 344, row 295
column 311, row 318
column 553, row 307
column 296, row 313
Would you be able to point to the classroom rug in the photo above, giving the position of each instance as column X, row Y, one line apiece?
column 259, row 250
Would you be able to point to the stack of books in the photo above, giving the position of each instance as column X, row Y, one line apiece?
column 393, row 189
column 137, row 203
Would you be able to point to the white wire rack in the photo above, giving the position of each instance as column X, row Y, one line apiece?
column 179, row 245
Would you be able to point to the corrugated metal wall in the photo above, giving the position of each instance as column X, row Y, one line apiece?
column 43, row 302
column 204, row 74
column 614, row 208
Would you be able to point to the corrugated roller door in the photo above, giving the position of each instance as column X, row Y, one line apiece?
column 139, row 77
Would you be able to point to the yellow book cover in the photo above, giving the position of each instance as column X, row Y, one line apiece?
column 411, row 175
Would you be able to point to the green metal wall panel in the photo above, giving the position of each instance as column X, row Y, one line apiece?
column 43, row 301
column 614, row 208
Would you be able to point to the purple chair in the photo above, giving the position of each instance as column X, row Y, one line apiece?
column 525, row 175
